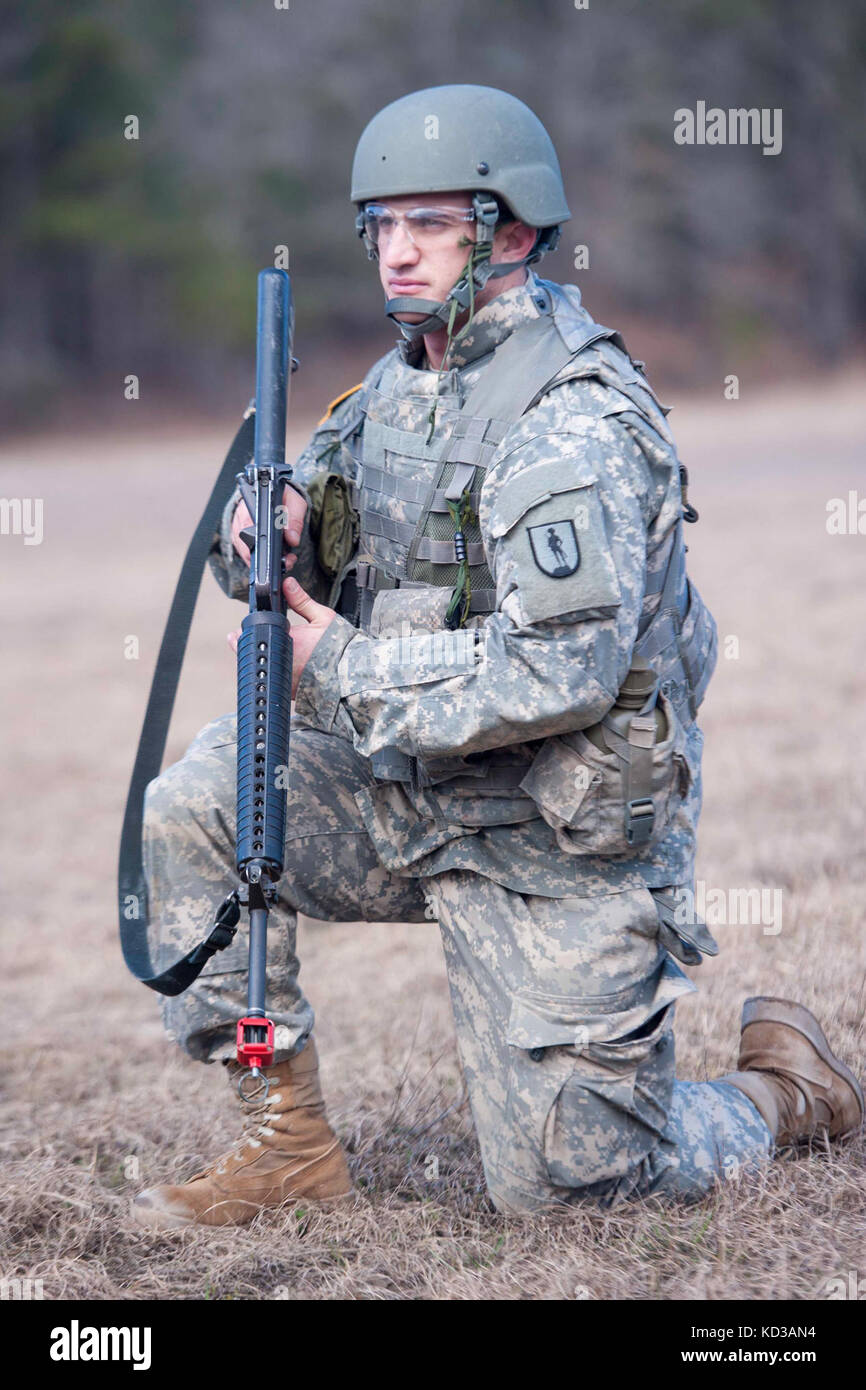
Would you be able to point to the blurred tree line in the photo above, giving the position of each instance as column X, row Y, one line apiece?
column 139, row 255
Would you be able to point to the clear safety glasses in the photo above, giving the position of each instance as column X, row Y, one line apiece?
column 423, row 225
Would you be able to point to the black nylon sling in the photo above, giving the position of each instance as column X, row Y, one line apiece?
column 132, row 885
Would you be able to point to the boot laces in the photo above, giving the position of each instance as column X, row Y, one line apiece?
column 254, row 1124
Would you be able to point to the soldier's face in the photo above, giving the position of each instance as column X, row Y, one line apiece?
column 427, row 266
column 429, row 269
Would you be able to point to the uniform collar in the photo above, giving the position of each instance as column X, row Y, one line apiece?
column 490, row 326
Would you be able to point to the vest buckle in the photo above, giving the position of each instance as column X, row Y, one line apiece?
column 640, row 818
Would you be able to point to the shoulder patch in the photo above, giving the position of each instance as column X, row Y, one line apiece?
column 555, row 548
column 338, row 400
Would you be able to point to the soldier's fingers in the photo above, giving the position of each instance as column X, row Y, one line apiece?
column 296, row 509
column 240, row 521
column 300, row 602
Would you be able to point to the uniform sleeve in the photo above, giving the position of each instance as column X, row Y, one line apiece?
column 328, row 451
column 564, row 520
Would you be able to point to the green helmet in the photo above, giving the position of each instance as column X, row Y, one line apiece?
column 455, row 139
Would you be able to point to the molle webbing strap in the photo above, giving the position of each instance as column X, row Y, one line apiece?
column 441, row 496
column 390, row 437
column 402, row 532
column 409, row 489
column 368, row 577
column 635, row 753
column 377, row 524
column 473, row 440
column 442, row 552
column 639, row 808
column 464, row 477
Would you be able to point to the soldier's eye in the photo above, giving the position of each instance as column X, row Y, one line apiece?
column 430, row 222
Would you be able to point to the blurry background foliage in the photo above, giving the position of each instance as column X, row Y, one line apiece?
column 139, row 256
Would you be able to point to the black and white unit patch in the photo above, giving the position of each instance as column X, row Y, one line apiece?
column 555, row 549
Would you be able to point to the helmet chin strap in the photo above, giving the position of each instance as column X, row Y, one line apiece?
column 439, row 311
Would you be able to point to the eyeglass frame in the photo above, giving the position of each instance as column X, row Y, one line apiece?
column 402, row 218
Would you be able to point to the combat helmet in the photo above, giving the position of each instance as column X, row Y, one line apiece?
column 462, row 138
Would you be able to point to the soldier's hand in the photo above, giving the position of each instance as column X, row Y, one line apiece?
column 304, row 635
column 295, row 509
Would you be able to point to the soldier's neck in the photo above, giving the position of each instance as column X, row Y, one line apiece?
column 436, row 343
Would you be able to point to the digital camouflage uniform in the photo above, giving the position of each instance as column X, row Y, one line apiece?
column 438, row 772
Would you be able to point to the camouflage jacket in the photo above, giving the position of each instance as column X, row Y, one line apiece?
column 492, row 714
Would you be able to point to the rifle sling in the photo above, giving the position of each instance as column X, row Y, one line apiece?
column 132, row 884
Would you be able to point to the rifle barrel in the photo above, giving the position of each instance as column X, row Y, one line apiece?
column 272, row 366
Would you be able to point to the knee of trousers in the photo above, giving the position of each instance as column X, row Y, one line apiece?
column 192, row 786
column 580, row 1117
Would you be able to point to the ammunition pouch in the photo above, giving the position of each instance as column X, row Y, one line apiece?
column 618, row 800
column 334, row 522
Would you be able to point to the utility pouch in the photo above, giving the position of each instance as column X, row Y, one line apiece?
column 334, row 522
column 614, row 789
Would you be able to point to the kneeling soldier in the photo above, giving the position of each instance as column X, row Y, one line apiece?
column 497, row 686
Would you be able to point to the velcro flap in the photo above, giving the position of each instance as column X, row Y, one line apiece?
column 531, row 487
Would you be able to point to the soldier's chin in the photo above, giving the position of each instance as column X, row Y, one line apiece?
column 410, row 319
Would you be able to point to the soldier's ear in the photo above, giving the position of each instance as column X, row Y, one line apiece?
column 513, row 241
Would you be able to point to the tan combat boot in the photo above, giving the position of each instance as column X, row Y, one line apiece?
column 790, row 1075
column 293, row 1152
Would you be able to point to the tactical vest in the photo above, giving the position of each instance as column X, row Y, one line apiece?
column 404, row 484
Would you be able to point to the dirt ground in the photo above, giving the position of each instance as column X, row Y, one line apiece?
column 96, row 1103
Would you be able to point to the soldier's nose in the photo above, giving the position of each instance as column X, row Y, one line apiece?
column 401, row 249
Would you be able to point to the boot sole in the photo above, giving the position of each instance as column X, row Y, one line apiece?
column 163, row 1219
column 765, row 1008
column 158, row 1219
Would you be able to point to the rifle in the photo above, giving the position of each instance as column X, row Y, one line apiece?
column 264, row 687
column 264, row 666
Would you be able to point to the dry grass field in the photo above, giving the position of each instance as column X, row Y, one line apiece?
column 97, row 1104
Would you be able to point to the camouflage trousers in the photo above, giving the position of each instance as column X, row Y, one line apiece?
column 563, row 1007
